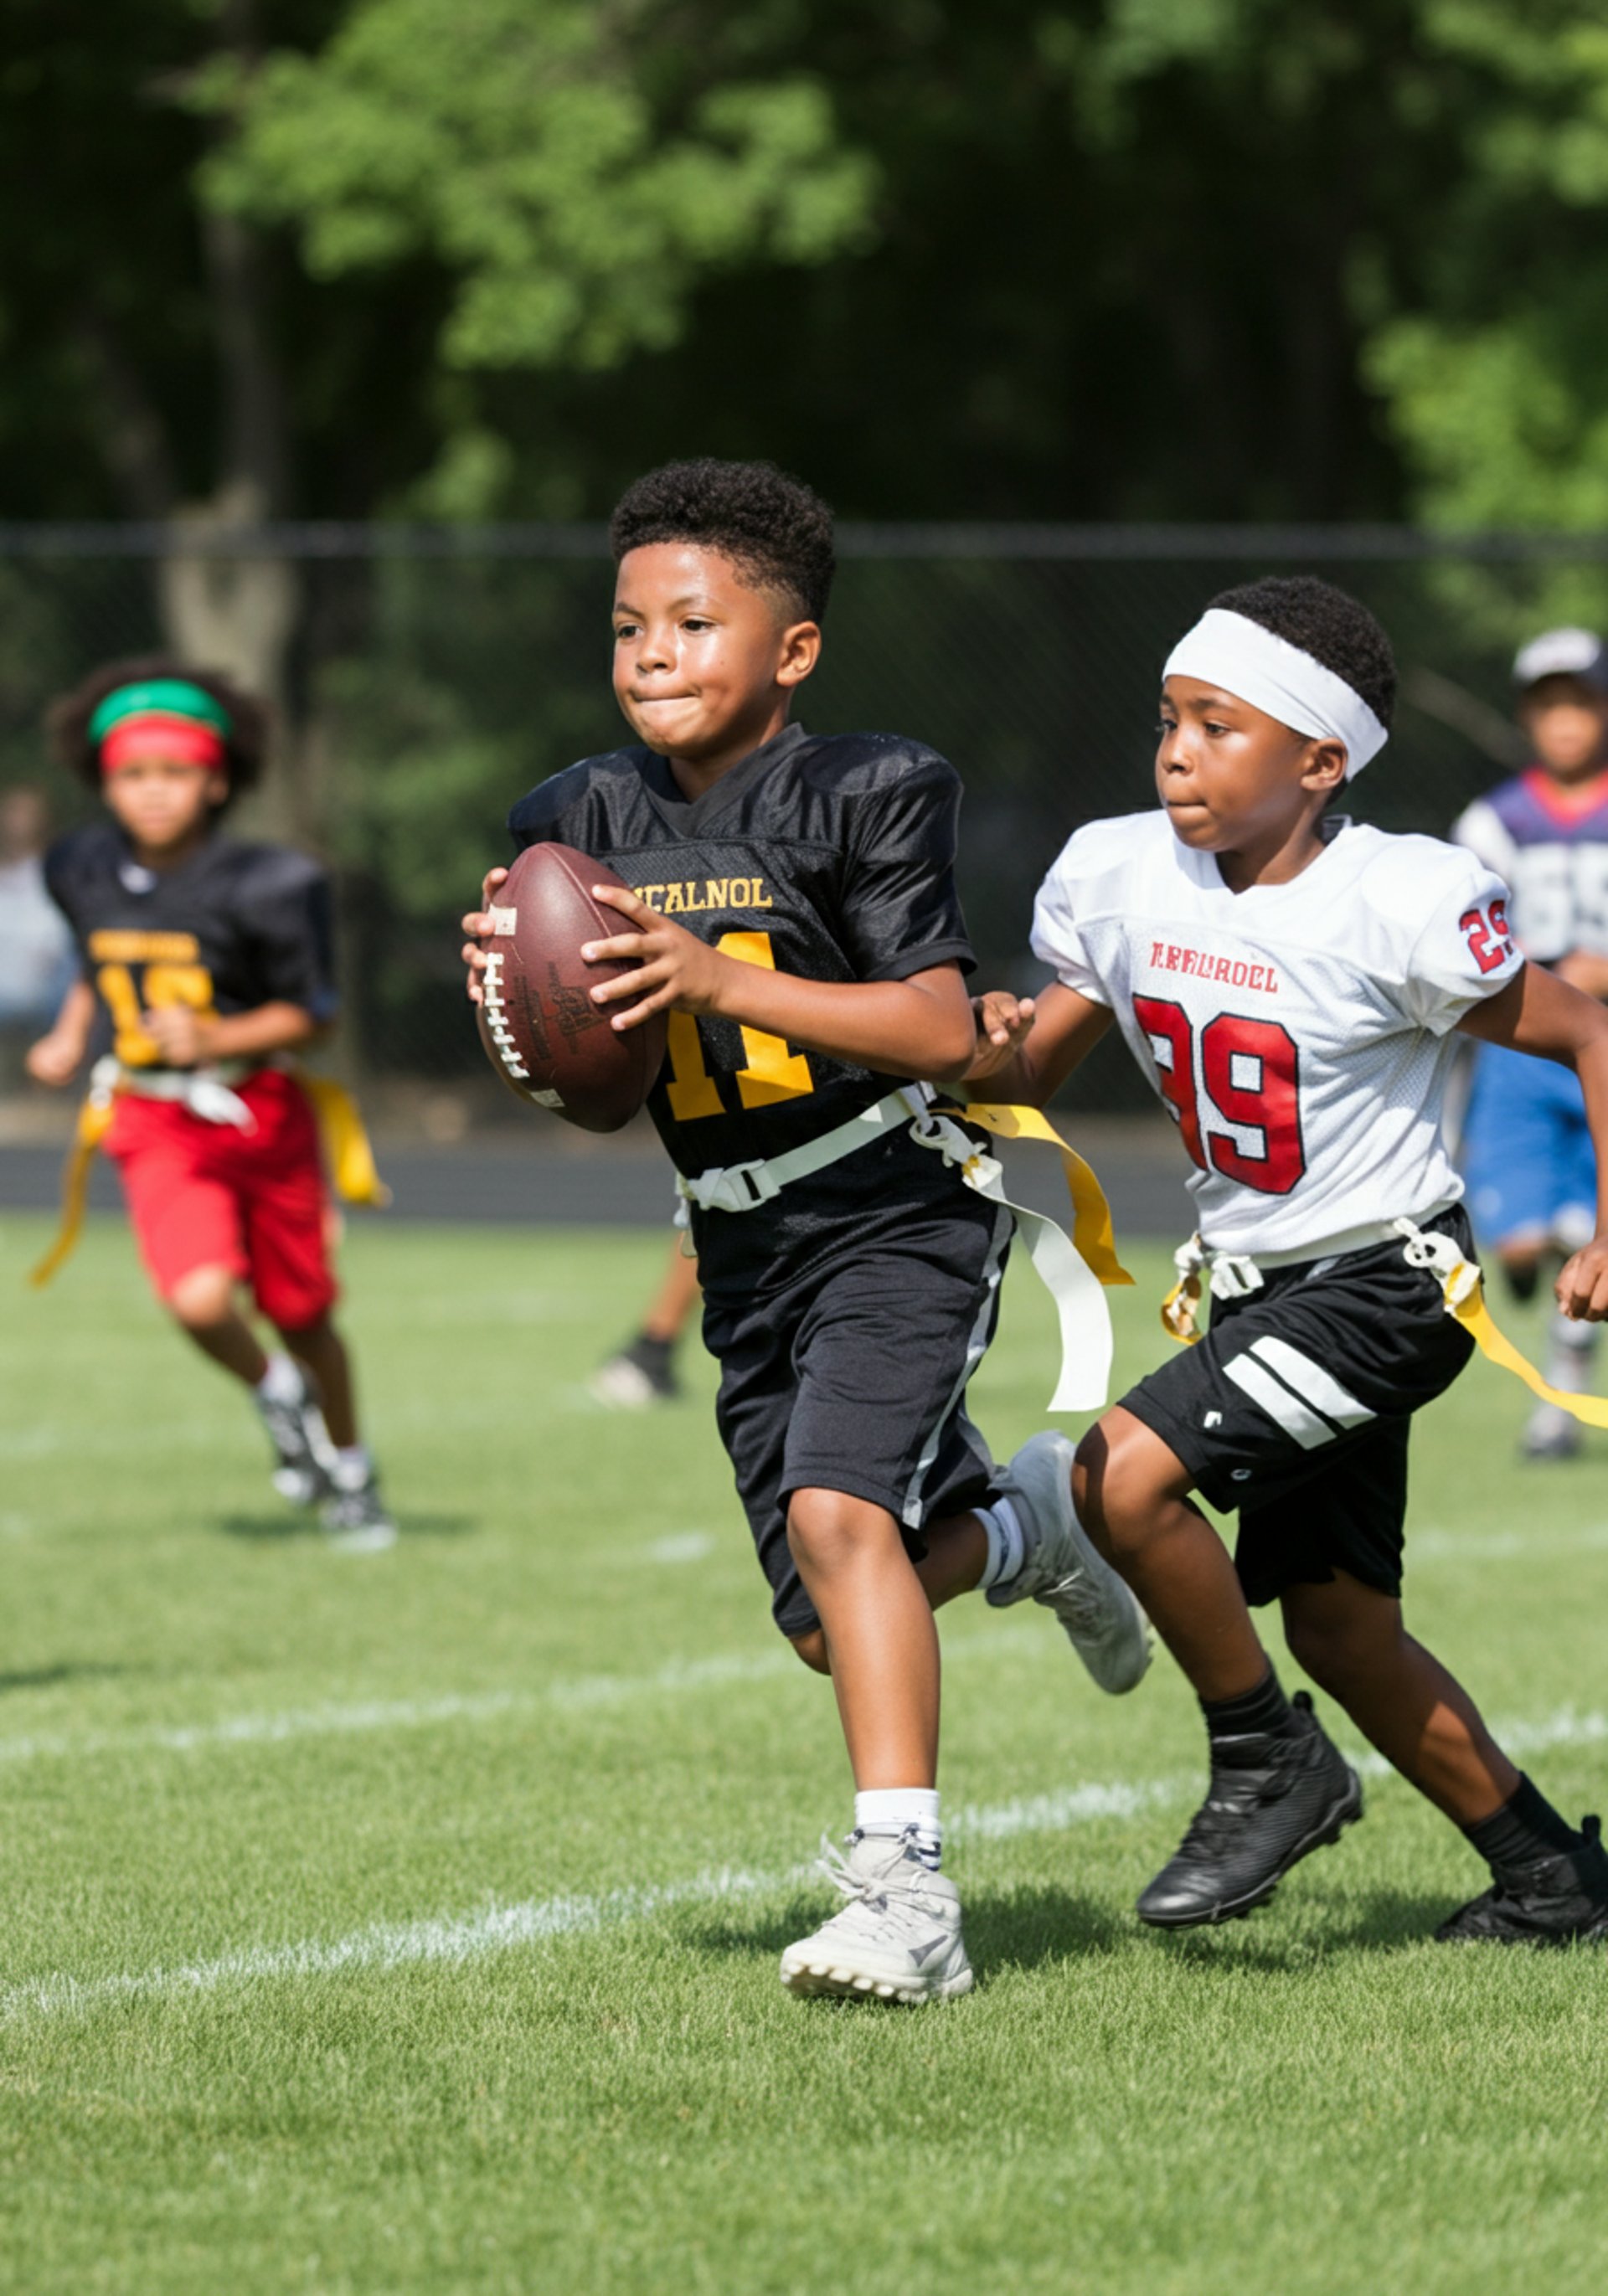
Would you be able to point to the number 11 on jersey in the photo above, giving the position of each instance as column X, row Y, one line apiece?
column 771, row 1073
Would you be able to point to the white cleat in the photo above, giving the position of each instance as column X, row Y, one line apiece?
column 303, row 1454
column 1551, row 1432
column 899, row 1936
column 1102, row 1617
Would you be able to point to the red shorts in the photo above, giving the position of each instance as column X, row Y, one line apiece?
column 209, row 1195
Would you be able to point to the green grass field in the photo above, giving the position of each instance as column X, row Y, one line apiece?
column 410, row 1923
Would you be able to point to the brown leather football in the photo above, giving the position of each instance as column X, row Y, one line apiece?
column 545, row 1036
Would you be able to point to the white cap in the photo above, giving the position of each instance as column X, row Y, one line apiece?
column 1561, row 653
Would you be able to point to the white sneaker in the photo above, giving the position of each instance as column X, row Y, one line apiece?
column 353, row 1513
column 899, row 1936
column 1551, row 1432
column 1102, row 1617
column 303, row 1453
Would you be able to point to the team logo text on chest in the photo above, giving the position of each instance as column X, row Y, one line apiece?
column 698, row 894
column 1167, row 956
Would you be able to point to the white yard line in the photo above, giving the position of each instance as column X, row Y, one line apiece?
column 459, row 1938
column 573, row 1693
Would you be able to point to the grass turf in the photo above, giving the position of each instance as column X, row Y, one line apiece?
column 410, row 1923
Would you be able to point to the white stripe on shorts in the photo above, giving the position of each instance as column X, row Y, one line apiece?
column 1286, row 1410
column 1310, row 1380
column 977, row 1347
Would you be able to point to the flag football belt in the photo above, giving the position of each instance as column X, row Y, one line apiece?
column 209, row 1094
column 1074, row 1269
column 1234, row 1276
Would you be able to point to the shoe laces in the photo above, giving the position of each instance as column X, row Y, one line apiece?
column 885, row 1895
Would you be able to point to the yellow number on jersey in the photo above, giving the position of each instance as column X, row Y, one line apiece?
column 773, row 1072
column 164, row 984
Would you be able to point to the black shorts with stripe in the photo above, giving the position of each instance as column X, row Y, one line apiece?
column 853, row 1378
column 1295, row 1407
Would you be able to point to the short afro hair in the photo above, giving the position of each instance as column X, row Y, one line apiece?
column 1330, row 625
column 776, row 530
column 67, row 720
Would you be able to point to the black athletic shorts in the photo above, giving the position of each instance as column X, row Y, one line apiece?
column 854, row 1379
column 1295, row 1408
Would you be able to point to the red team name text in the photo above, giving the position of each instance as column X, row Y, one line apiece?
column 1166, row 956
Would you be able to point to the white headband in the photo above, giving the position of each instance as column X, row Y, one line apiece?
column 1233, row 651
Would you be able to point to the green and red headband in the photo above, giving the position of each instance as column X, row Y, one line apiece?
column 161, row 717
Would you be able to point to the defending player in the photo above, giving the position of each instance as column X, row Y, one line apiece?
column 797, row 916
column 211, row 962
column 1527, row 1154
column 1291, row 985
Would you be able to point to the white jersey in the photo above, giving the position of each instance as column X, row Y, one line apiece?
column 1297, row 1033
column 1554, row 853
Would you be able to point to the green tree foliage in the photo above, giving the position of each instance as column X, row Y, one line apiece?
column 516, row 142
column 1496, row 370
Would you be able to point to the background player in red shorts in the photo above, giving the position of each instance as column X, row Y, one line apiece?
column 207, row 961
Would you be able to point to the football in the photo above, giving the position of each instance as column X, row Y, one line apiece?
column 546, row 1039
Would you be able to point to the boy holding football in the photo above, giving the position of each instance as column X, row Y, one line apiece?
column 798, row 922
column 1292, row 985
column 210, row 962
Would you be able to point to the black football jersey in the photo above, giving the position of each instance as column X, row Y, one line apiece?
column 234, row 927
column 829, row 857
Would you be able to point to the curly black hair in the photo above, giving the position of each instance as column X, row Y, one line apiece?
column 1330, row 625
column 775, row 528
column 67, row 719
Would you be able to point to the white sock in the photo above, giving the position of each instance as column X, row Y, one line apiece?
column 282, row 1382
column 1007, row 1546
column 894, row 1810
column 1569, row 1354
column 353, row 1465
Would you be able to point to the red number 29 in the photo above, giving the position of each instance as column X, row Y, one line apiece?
column 1251, row 1071
column 1489, row 935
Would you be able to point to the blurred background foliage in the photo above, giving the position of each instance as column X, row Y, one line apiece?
column 1114, row 262
column 1070, row 259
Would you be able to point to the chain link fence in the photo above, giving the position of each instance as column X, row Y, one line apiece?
column 426, row 677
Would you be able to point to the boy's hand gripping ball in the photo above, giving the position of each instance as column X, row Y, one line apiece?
column 545, row 1036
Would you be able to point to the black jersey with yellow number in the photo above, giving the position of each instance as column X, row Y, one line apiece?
column 831, row 858
column 234, row 927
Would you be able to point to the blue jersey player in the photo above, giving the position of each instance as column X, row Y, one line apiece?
column 1526, row 1151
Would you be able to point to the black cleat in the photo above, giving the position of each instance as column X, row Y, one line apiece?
column 639, row 1375
column 1556, row 1902
column 1274, row 1796
column 303, row 1454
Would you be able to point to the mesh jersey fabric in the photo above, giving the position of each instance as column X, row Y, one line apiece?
column 829, row 857
column 1553, row 855
column 256, row 919
column 1298, row 1033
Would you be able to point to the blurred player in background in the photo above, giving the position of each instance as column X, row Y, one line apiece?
column 209, row 962
column 1526, row 1149
column 36, row 964
column 643, row 1371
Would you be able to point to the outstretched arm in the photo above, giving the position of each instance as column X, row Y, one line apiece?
column 1026, row 1046
column 58, row 1055
column 1536, row 1012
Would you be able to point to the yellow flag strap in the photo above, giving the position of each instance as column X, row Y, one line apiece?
column 94, row 1118
column 1462, row 1290
column 348, row 1151
column 1074, row 1272
column 1092, row 1231
column 348, row 1154
column 1181, row 1310
column 1477, row 1321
